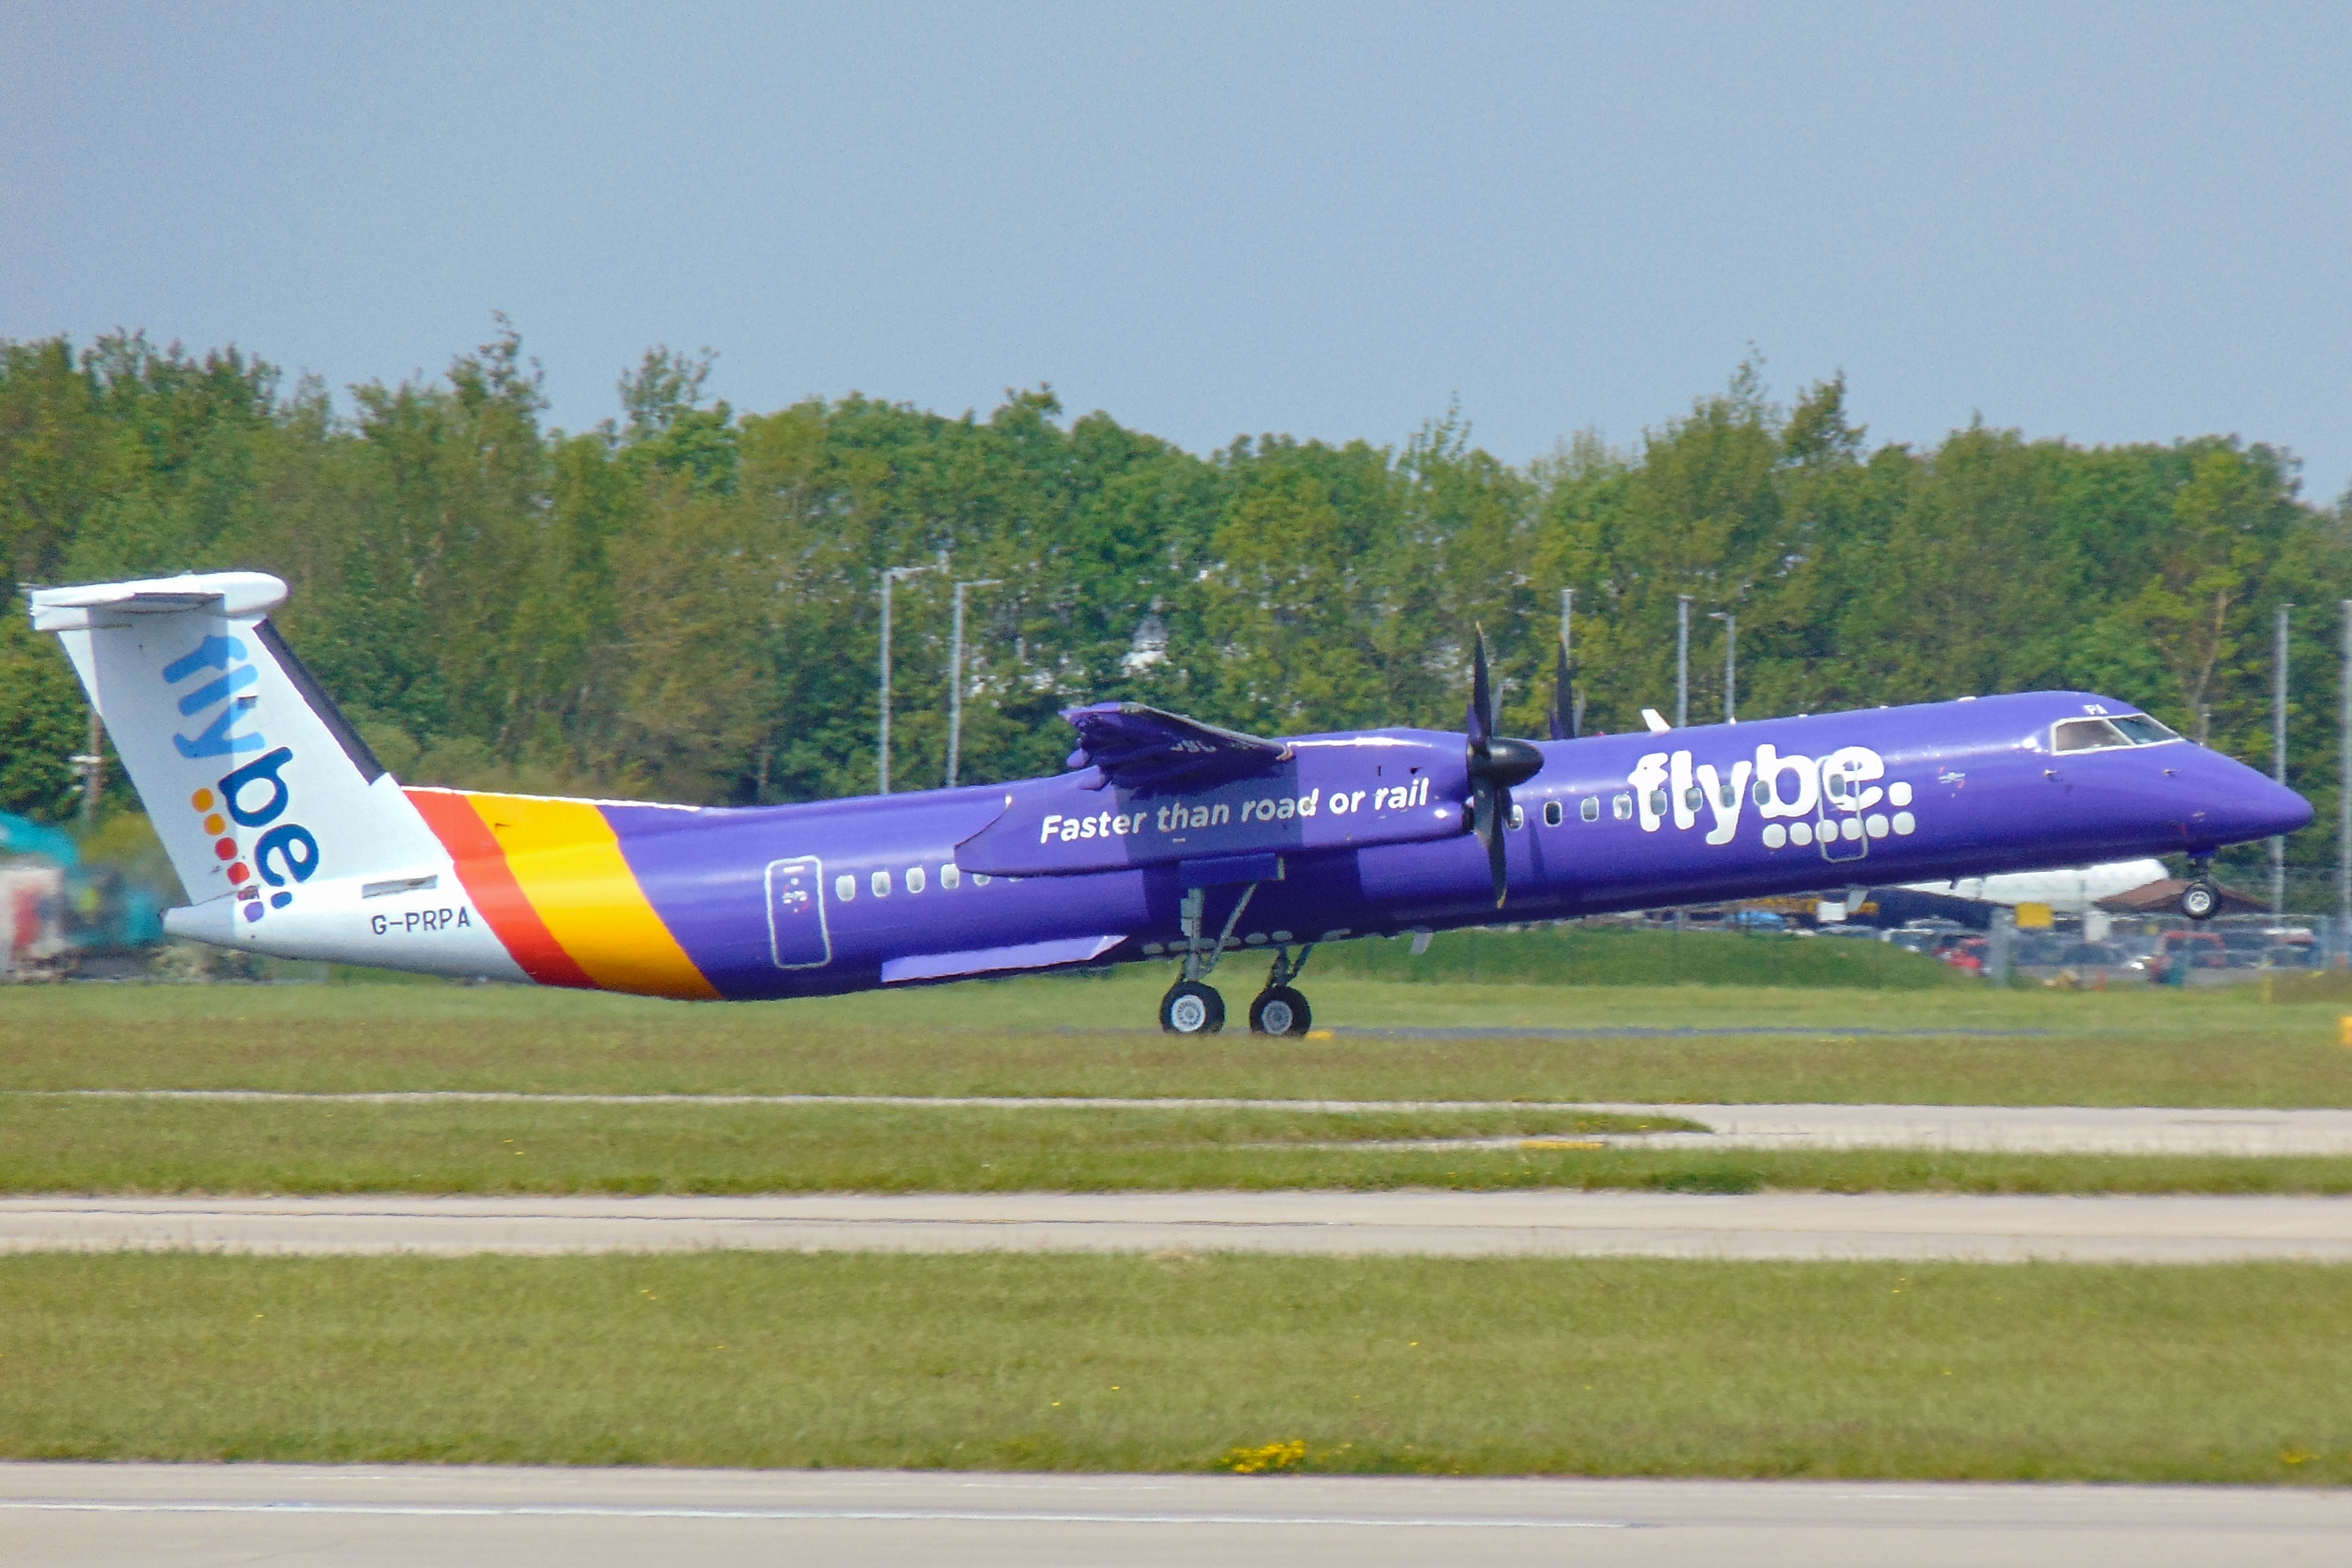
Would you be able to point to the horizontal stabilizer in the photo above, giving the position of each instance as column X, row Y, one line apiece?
column 992, row 959
column 228, row 594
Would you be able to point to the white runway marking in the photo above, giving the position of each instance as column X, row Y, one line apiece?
column 1976, row 1128
column 1537, row 1223
column 592, row 1511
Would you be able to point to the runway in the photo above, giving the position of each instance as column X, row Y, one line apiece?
column 1979, row 1129
column 197, row 1515
column 1544, row 1223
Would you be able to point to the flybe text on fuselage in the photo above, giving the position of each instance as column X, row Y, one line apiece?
column 1795, row 797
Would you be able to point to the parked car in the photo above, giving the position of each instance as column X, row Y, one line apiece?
column 1754, row 920
column 2180, row 950
column 2035, row 949
column 1968, row 953
column 2090, row 954
column 2291, row 955
column 1928, row 936
column 2244, row 945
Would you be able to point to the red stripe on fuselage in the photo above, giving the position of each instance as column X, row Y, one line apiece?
column 482, row 867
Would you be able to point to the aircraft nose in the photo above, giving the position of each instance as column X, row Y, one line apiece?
column 2242, row 805
column 2282, row 810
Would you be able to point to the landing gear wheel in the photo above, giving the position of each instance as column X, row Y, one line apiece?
column 1279, row 1010
column 2199, row 899
column 1191, row 1008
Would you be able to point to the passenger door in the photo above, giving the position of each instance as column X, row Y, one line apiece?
column 1837, row 822
column 797, row 937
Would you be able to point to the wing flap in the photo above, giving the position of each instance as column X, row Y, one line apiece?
column 995, row 960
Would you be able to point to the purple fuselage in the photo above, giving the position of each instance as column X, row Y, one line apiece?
column 1368, row 832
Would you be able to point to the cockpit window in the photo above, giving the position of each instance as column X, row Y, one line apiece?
column 2085, row 735
column 2145, row 730
column 2099, row 735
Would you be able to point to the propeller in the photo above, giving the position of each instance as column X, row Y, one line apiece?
column 1495, row 764
column 1563, row 715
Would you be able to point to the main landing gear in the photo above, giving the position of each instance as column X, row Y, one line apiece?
column 1279, row 1010
column 2200, row 900
column 1192, row 1006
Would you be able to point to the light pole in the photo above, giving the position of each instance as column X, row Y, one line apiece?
column 1730, row 663
column 2278, row 756
column 890, row 576
column 91, row 765
column 2344, row 802
column 955, row 674
column 1682, row 660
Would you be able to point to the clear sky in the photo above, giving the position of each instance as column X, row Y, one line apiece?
column 2110, row 223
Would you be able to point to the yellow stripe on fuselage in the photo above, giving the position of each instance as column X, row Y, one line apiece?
column 567, row 859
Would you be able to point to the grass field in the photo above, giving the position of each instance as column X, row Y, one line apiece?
column 1073, row 1035
column 1059, row 1037
column 2216, row 1374
column 1620, row 955
column 57, row 1144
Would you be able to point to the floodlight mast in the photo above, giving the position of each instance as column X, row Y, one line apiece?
column 890, row 576
column 1682, row 659
column 955, row 675
column 1730, row 663
column 2344, row 802
column 2278, row 753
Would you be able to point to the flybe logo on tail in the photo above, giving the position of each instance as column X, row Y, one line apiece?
column 227, row 656
column 250, row 800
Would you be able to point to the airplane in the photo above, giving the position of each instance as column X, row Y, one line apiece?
column 1168, row 838
column 2069, row 886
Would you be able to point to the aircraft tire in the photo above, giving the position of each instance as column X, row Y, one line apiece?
column 1279, row 1010
column 2200, row 900
column 1191, row 1008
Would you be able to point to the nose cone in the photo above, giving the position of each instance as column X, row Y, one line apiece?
column 2238, row 805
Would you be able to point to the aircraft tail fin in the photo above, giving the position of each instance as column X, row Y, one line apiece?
column 256, row 783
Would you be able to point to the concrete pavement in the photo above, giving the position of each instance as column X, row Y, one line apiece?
column 1988, row 1129
column 199, row 1516
column 1541, row 1223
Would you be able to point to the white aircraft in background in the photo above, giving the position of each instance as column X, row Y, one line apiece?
column 2072, row 888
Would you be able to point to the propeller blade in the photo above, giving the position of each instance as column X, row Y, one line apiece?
column 1482, row 695
column 1563, row 699
column 1496, row 845
column 1495, row 764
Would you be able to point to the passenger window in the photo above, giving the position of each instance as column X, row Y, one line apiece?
column 1553, row 815
column 950, row 875
column 1835, row 785
column 1693, row 797
column 881, row 880
column 1729, row 797
column 1657, row 802
column 844, row 887
column 1589, row 808
column 915, row 879
column 2085, row 735
column 1518, row 816
column 1762, row 793
column 1622, row 808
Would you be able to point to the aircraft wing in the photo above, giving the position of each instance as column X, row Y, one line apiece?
column 1139, row 748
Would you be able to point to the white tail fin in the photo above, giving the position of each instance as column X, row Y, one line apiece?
column 255, row 782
